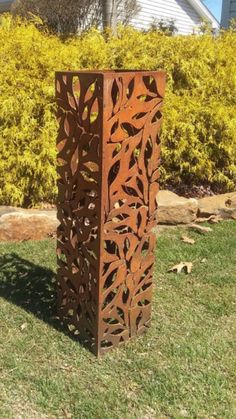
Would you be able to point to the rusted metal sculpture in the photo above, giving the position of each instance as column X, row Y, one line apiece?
column 108, row 154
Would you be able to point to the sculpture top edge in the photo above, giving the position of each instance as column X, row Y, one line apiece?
column 105, row 72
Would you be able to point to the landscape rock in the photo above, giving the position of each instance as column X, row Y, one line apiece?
column 18, row 224
column 174, row 209
column 223, row 205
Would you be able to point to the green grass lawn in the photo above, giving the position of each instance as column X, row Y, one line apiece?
column 183, row 367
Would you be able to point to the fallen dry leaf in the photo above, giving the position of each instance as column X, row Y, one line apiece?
column 180, row 266
column 66, row 367
column 212, row 219
column 187, row 240
column 215, row 219
column 204, row 219
column 200, row 229
column 23, row 326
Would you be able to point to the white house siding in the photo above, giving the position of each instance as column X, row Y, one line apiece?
column 228, row 11
column 5, row 5
column 186, row 18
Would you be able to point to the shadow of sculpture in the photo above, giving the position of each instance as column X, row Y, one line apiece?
column 33, row 288
column 29, row 286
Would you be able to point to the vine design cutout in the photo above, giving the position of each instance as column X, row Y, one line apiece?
column 108, row 155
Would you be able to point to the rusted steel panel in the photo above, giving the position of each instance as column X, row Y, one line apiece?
column 108, row 154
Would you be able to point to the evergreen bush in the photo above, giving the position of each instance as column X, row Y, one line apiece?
column 199, row 130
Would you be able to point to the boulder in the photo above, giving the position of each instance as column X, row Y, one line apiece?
column 18, row 224
column 174, row 209
column 223, row 205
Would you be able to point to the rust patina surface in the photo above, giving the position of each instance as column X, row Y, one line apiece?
column 108, row 154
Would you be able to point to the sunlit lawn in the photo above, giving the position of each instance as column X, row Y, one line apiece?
column 183, row 367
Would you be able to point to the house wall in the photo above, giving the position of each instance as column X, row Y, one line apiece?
column 186, row 18
column 228, row 12
column 5, row 5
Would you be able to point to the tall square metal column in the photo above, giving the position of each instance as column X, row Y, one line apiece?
column 108, row 154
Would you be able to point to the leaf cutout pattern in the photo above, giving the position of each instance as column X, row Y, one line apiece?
column 108, row 153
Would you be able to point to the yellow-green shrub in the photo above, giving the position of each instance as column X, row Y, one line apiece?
column 199, row 131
